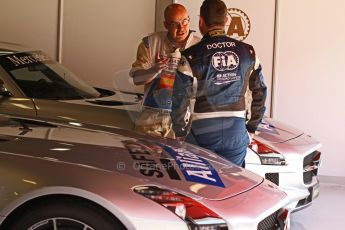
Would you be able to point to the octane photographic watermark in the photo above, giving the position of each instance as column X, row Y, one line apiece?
column 121, row 166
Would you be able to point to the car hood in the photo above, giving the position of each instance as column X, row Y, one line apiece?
column 269, row 130
column 120, row 100
column 167, row 163
column 272, row 131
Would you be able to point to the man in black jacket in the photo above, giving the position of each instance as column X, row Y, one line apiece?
column 227, row 72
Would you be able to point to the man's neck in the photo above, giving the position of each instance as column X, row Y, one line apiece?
column 178, row 44
column 214, row 28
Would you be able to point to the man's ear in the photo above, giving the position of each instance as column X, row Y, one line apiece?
column 202, row 25
column 165, row 25
column 201, row 21
column 226, row 20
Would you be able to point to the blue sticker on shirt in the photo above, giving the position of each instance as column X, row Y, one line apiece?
column 159, row 95
column 195, row 168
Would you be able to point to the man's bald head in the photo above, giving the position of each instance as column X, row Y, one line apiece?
column 176, row 22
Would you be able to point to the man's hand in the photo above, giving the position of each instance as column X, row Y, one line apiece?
column 145, row 76
column 159, row 65
column 180, row 139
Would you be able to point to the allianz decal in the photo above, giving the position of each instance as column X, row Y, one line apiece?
column 194, row 168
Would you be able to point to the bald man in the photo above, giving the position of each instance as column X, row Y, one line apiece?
column 151, row 60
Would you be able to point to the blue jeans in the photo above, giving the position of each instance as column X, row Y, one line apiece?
column 226, row 136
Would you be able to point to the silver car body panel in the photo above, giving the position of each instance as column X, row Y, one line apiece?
column 36, row 160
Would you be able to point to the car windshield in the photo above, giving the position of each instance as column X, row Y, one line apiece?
column 38, row 76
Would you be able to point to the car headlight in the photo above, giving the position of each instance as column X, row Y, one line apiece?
column 267, row 155
column 195, row 214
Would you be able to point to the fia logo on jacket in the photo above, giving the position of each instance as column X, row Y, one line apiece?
column 223, row 61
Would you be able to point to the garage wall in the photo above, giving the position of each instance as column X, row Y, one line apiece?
column 159, row 19
column 309, row 85
column 97, row 39
column 34, row 23
column 101, row 37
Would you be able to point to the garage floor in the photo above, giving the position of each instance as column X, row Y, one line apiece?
column 327, row 211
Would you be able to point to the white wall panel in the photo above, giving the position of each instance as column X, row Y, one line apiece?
column 160, row 6
column 101, row 37
column 32, row 23
column 310, row 79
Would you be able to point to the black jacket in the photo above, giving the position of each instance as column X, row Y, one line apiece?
column 226, row 70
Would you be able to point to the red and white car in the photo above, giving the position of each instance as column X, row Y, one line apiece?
column 289, row 158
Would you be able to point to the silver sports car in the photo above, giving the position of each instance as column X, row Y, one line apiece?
column 32, row 84
column 56, row 176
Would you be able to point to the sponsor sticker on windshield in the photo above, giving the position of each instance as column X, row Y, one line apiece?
column 25, row 59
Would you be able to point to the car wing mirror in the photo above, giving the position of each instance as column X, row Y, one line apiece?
column 3, row 91
column 6, row 94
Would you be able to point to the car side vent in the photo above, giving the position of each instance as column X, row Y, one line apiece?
column 270, row 222
column 304, row 202
column 310, row 166
column 273, row 177
column 105, row 92
column 308, row 176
